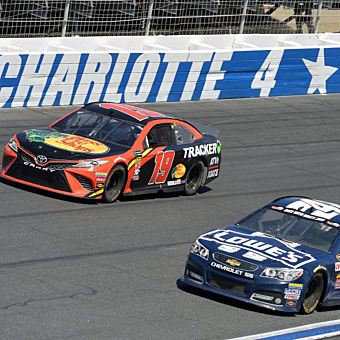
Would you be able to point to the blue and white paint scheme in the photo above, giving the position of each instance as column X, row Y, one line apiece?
column 284, row 256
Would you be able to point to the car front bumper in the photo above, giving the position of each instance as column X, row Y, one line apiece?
column 266, row 293
column 20, row 167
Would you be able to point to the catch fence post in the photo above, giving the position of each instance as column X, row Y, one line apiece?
column 318, row 14
column 65, row 19
column 243, row 17
column 149, row 18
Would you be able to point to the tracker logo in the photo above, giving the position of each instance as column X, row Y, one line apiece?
column 200, row 150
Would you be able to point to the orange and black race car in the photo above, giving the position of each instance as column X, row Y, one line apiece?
column 102, row 150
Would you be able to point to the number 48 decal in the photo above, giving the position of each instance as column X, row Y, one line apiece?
column 163, row 163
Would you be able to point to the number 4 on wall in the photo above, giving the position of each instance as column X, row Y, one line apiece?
column 265, row 76
column 163, row 163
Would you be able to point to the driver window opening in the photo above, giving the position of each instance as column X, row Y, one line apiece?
column 159, row 135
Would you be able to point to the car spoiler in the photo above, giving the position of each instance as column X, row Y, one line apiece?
column 204, row 129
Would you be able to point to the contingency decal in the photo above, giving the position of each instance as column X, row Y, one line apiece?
column 337, row 282
column 337, row 266
column 138, row 157
column 256, row 246
column 68, row 142
column 293, row 291
column 178, row 171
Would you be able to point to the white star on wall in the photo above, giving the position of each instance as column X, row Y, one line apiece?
column 319, row 72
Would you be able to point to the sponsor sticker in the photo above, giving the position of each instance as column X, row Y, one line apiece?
column 291, row 303
column 213, row 173
column 219, row 146
column 41, row 135
column 201, row 150
column 295, row 285
column 136, row 173
column 77, row 144
column 338, row 257
column 259, row 245
column 177, row 182
column 337, row 282
column 214, row 161
column 100, row 174
column 315, row 210
column 178, row 171
column 337, row 266
column 138, row 156
column 292, row 293
column 67, row 141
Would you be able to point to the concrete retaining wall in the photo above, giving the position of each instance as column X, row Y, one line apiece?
column 63, row 71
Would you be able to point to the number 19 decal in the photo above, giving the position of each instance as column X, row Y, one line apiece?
column 163, row 163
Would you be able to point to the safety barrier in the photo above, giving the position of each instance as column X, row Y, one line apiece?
column 170, row 69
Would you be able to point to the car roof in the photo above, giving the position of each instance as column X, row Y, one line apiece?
column 127, row 112
column 310, row 207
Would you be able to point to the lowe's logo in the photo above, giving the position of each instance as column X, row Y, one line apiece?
column 259, row 247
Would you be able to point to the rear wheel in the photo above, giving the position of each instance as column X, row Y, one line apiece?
column 114, row 184
column 313, row 294
column 194, row 178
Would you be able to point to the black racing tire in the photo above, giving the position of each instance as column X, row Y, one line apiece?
column 114, row 184
column 194, row 178
column 313, row 294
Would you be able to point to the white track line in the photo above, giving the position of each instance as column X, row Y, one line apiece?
column 295, row 329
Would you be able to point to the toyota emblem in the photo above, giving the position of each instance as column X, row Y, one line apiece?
column 41, row 159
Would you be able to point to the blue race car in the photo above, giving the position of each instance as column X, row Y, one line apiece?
column 284, row 256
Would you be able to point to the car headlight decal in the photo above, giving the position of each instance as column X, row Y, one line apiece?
column 13, row 145
column 198, row 249
column 283, row 274
column 90, row 164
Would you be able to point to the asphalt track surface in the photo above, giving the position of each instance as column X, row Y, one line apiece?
column 73, row 269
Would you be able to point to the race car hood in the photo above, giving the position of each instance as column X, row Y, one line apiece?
column 55, row 145
column 260, row 248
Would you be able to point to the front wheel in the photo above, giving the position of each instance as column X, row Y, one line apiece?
column 194, row 178
column 114, row 184
column 313, row 294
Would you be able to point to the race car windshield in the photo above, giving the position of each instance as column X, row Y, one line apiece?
column 313, row 234
column 99, row 127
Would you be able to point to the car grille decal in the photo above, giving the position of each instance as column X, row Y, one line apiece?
column 235, row 262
